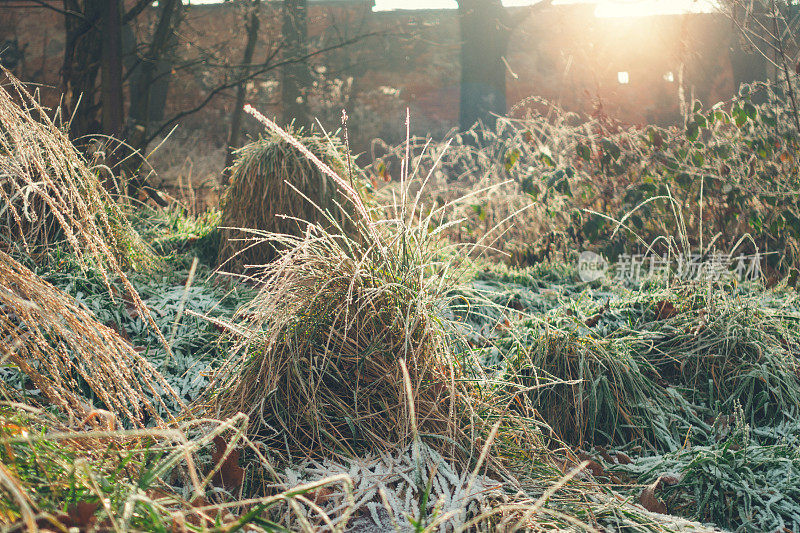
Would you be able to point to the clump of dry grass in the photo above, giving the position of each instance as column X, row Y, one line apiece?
column 275, row 188
column 731, row 350
column 587, row 389
column 68, row 354
column 318, row 354
column 321, row 361
column 48, row 194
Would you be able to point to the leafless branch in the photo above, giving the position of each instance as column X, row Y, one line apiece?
column 265, row 67
column 48, row 5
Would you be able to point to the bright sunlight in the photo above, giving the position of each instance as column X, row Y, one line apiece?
column 605, row 8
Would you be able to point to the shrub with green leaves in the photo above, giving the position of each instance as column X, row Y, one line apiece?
column 734, row 169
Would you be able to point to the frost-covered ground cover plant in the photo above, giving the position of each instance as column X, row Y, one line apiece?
column 688, row 392
column 744, row 478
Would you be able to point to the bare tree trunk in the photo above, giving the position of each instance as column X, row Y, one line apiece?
column 784, row 63
column 485, row 32
column 112, row 96
column 82, row 56
column 241, row 91
column 142, row 91
column 296, row 76
column 141, row 98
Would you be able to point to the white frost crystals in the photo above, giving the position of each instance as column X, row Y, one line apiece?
column 386, row 492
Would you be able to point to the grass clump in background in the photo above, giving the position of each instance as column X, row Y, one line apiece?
column 276, row 189
column 603, row 391
column 650, row 364
column 731, row 349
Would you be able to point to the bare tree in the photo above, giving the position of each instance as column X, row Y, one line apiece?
column 485, row 32
column 112, row 97
column 770, row 27
column 141, row 109
column 82, row 50
column 486, row 27
column 253, row 26
column 102, row 57
column 92, row 29
column 296, row 76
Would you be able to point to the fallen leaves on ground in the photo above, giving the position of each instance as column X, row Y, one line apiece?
column 229, row 474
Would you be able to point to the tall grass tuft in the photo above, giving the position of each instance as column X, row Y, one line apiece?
column 316, row 360
column 588, row 389
column 332, row 327
column 50, row 198
column 49, row 195
column 275, row 188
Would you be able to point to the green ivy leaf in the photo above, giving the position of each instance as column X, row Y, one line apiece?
column 584, row 152
column 750, row 110
column 611, row 149
column 739, row 116
column 701, row 121
column 722, row 116
column 692, row 131
column 547, row 160
column 511, row 158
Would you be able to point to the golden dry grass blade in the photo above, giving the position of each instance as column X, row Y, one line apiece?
column 48, row 194
column 60, row 345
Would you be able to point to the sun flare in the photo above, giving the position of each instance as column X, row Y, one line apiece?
column 605, row 8
column 644, row 8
